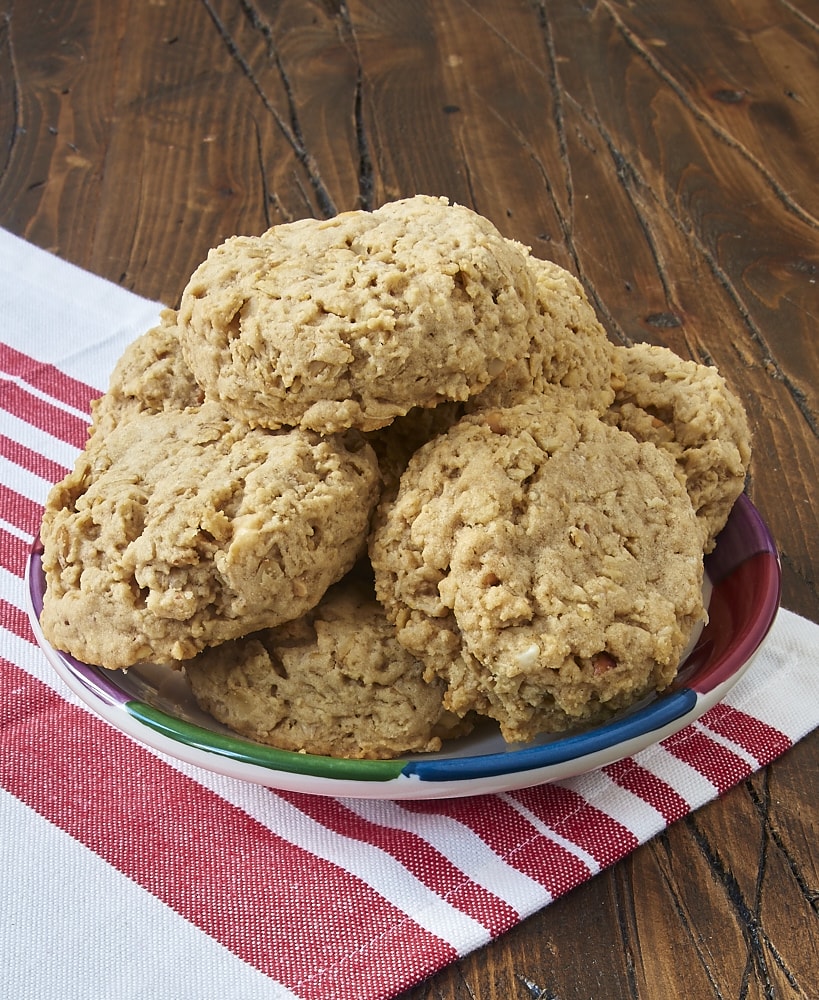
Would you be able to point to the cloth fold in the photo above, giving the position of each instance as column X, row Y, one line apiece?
column 127, row 872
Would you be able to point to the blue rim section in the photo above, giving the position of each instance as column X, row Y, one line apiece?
column 648, row 720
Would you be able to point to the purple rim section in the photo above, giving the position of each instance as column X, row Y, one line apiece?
column 745, row 535
column 746, row 576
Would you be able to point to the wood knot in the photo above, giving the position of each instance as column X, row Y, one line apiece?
column 664, row 320
column 727, row 96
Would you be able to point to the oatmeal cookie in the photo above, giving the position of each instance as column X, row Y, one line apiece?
column 151, row 376
column 395, row 444
column 546, row 565
column 353, row 321
column 182, row 529
column 568, row 348
column 687, row 409
column 334, row 682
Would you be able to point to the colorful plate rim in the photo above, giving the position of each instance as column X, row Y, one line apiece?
column 745, row 577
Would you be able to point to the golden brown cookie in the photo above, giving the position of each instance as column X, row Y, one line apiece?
column 151, row 376
column 568, row 348
column 687, row 409
column 182, row 529
column 395, row 444
column 334, row 682
column 353, row 321
column 546, row 565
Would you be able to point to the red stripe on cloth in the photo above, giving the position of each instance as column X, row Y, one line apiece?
column 668, row 802
column 31, row 461
column 36, row 411
column 20, row 511
column 295, row 917
column 513, row 838
column 717, row 763
column 47, row 378
column 15, row 620
column 13, row 553
column 763, row 742
column 572, row 817
column 425, row 862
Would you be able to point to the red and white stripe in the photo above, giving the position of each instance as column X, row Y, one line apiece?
column 314, row 897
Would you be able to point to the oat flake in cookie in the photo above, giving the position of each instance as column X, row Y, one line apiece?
column 353, row 321
column 183, row 529
column 546, row 565
column 334, row 682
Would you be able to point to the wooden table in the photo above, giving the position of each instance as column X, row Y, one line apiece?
column 665, row 153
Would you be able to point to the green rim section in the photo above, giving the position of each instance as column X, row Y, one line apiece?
column 260, row 755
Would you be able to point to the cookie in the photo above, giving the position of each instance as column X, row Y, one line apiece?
column 546, row 565
column 688, row 410
column 151, row 376
column 395, row 444
column 183, row 529
column 568, row 348
column 353, row 321
column 334, row 682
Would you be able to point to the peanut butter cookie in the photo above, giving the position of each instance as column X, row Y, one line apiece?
column 151, row 376
column 353, row 321
column 568, row 348
column 546, row 565
column 688, row 410
column 183, row 529
column 334, row 682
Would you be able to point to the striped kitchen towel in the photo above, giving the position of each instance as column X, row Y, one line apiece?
column 131, row 874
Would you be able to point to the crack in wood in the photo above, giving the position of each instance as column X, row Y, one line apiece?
column 635, row 186
column 506, row 41
column 761, row 803
column 258, row 24
column 566, row 230
column 800, row 14
column 767, row 359
column 626, row 170
column 757, row 941
column 366, row 181
column 266, row 197
column 627, row 926
column 559, row 116
column 535, row 992
column 699, row 115
column 473, row 198
column 292, row 132
column 17, row 128
column 795, row 567
column 694, row 939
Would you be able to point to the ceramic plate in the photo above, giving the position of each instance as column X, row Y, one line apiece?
column 154, row 706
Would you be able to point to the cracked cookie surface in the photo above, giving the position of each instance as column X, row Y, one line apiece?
column 334, row 682
column 179, row 530
column 151, row 376
column 352, row 321
column 546, row 565
column 568, row 348
column 688, row 410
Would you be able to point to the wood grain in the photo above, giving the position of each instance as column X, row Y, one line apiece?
column 665, row 153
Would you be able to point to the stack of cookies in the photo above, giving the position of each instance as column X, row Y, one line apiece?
column 383, row 475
